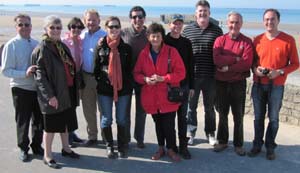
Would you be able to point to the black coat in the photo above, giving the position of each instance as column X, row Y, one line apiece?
column 101, row 56
column 51, row 77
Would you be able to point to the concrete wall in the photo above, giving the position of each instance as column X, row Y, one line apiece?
column 290, row 110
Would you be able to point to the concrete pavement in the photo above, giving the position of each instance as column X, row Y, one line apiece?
column 94, row 160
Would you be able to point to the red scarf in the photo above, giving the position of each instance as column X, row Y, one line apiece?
column 114, row 66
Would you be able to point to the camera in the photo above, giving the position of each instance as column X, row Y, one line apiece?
column 265, row 71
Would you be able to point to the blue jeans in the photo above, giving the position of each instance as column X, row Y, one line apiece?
column 266, row 97
column 106, row 104
column 208, row 87
column 140, row 117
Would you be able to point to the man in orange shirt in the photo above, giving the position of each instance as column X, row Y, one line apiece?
column 276, row 57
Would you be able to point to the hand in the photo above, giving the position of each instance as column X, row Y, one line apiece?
column 149, row 80
column 223, row 69
column 258, row 71
column 191, row 93
column 273, row 74
column 53, row 102
column 157, row 78
column 31, row 70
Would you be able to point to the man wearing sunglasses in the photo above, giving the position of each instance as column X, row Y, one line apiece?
column 135, row 36
column 16, row 65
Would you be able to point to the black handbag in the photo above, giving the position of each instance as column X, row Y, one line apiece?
column 175, row 94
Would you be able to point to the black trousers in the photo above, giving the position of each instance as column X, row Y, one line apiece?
column 165, row 129
column 231, row 95
column 26, row 109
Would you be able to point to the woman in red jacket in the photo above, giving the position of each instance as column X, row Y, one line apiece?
column 151, row 71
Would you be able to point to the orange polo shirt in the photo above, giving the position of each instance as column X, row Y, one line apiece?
column 279, row 53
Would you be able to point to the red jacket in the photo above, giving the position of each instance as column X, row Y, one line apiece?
column 154, row 97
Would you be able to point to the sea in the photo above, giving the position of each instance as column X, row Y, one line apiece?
column 288, row 16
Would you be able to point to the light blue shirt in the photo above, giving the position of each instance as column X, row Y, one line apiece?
column 89, row 42
column 16, row 58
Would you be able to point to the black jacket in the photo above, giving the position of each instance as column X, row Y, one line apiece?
column 51, row 77
column 101, row 57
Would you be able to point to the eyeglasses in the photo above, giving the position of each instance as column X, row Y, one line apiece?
column 53, row 28
column 24, row 25
column 114, row 26
column 77, row 26
column 137, row 16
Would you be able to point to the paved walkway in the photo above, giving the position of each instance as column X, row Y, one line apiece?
column 94, row 160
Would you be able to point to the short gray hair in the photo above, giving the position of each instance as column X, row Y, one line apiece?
column 52, row 19
column 235, row 14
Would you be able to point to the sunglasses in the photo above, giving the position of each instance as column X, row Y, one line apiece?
column 137, row 16
column 114, row 26
column 53, row 28
column 24, row 25
column 77, row 26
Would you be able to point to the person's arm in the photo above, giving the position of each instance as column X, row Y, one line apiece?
column 220, row 56
column 138, row 73
column 293, row 63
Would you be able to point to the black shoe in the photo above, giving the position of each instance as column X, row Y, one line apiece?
column 72, row 154
column 24, row 157
column 90, row 142
column 38, row 151
column 254, row 152
column 185, row 154
column 270, row 154
column 110, row 153
column 140, row 145
column 122, row 154
column 51, row 164
column 77, row 139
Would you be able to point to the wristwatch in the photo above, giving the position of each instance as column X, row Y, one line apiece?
column 281, row 72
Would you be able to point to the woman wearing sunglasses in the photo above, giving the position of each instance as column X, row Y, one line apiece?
column 57, row 93
column 73, row 41
column 113, row 74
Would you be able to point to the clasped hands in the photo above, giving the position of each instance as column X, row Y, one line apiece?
column 154, row 79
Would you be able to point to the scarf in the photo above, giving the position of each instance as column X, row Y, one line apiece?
column 62, row 53
column 114, row 66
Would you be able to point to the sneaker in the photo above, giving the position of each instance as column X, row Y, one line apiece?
column 24, row 157
column 254, row 152
column 220, row 147
column 240, row 151
column 191, row 140
column 211, row 139
column 270, row 154
column 185, row 154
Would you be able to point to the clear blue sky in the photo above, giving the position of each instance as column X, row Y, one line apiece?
column 283, row 4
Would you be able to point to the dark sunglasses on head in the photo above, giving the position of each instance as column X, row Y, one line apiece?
column 57, row 27
column 137, row 16
column 77, row 26
column 114, row 26
column 24, row 25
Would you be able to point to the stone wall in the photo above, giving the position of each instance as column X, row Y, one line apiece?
column 290, row 110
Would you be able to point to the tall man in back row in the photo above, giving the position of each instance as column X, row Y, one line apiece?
column 136, row 37
column 202, row 33
column 276, row 57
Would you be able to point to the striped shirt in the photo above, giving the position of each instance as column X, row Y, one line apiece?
column 202, row 42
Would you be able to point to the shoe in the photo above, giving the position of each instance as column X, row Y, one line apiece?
column 122, row 154
column 77, row 139
column 240, row 151
column 270, row 154
column 38, row 151
column 90, row 142
column 110, row 152
column 24, row 157
column 140, row 145
column 51, row 163
column 72, row 154
column 211, row 139
column 254, row 152
column 159, row 154
column 174, row 156
column 184, row 153
column 220, row 147
column 191, row 140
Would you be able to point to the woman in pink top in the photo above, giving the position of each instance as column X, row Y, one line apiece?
column 73, row 41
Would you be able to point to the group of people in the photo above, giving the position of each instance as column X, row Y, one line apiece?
column 103, row 67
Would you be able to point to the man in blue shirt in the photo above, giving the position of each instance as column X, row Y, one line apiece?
column 90, row 39
column 16, row 64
